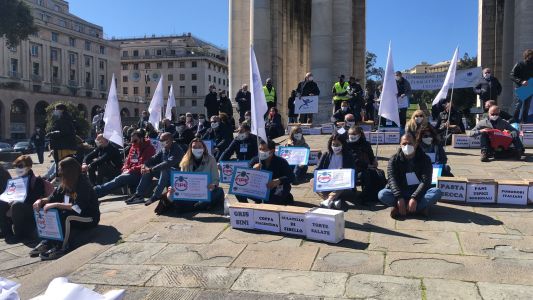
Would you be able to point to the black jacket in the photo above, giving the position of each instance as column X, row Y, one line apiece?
column 440, row 155
column 165, row 159
column 225, row 106
column 399, row 166
column 347, row 160
column 273, row 127
column 35, row 189
column 488, row 89
column 142, row 123
column 221, row 136
column 249, row 144
column 63, row 133
column 404, row 87
column 362, row 153
column 107, row 155
column 38, row 139
column 522, row 71
column 244, row 100
column 455, row 119
column 339, row 114
column 280, row 170
column 305, row 88
column 85, row 198
column 290, row 105
column 211, row 104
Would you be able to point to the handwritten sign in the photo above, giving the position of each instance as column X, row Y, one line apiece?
column 295, row 156
column 48, row 224
column 292, row 221
column 306, row 105
column 250, row 183
column 328, row 180
column 452, row 188
column 228, row 166
column 325, row 225
column 242, row 215
column 189, row 186
column 512, row 193
column 266, row 220
column 481, row 192
column 15, row 190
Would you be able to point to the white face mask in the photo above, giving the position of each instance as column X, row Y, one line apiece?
column 242, row 136
column 336, row 150
column 197, row 153
column 354, row 137
column 419, row 120
column 263, row 155
column 344, row 108
column 298, row 136
column 487, row 76
column 310, row 78
column 427, row 140
column 494, row 118
column 408, row 149
column 21, row 171
column 214, row 124
column 201, row 121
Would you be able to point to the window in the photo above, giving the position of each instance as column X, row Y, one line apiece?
column 72, row 75
column 182, row 77
column 209, row 78
column 135, row 53
column 159, row 65
column 194, row 64
column 14, row 65
column 218, row 69
column 55, row 36
column 35, row 68
column 101, row 64
column 72, row 42
column 182, row 102
column 57, row 8
column 170, row 77
column 219, row 80
column 147, row 90
column 62, row 23
column 125, row 78
column 88, row 77
column 102, row 80
column 34, row 50
column 147, row 52
column 125, row 53
column 87, row 61
column 87, row 45
column 125, row 90
column 124, row 66
column 72, row 58
column 224, row 82
column 182, row 90
column 209, row 66
column 193, row 103
column 136, row 90
column 55, row 72
column 159, row 52
column 172, row 52
column 53, row 54
column 182, row 64
column 194, row 89
column 170, row 65
column 214, row 79
column 147, row 65
column 194, row 77
column 102, row 50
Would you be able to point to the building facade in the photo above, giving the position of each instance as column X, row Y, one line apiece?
column 186, row 62
column 68, row 59
column 424, row 67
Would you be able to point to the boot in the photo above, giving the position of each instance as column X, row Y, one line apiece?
column 484, row 155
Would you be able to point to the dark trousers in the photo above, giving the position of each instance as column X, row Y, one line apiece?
column 283, row 198
column 484, row 140
column 522, row 110
column 21, row 219
column 40, row 153
column 337, row 104
column 369, row 112
column 98, row 174
column 306, row 118
column 403, row 117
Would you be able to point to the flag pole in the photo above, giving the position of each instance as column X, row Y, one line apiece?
column 379, row 125
column 449, row 114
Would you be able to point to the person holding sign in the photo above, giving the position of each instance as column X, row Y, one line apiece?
column 338, row 156
column 220, row 134
column 282, row 175
column 409, row 181
column 429, row 141
column 244, row 145
column 20, row 223
column 296, row 139
column 521, row 73
column 307, row 87
column 76, row 204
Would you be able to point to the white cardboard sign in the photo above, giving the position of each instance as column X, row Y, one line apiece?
column 377, row 137
column 325, row 225
column 241, row 217
column 475, row 142
column 292, row 223
column 392, row 137
column 266, row 220
column 512, row 194
column 481, row 192
column 461, row 141
column 452, row 190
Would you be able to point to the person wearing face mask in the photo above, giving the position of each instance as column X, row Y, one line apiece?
column 307, row 87
column 342, row 128
column 296, row 139
column 339, row 115
column 417, row 121
column 355, row 91
column 503, row 114
column 293, row 118
column 226, row 107
column 409, row 181
column 520, row 74
column 450, row 121
column 184, row 135
column 404, row 94
column 211, row 102
column 244, row 101
column 338, row 156
column 103, row 163
column 488, row 87
column 493, row 121
column 168, row 126
column 247, row 118
column 244, row 145
column 140, row 151
column 158, row 166
column 340, row 93
column 282, row 175
column 20, row 223
column 220, row 134
column 143, row 121
column 62, row 134
column 201, row 128
column 150, row 131
column 38, row 141
column 189, row 120
column 428, row 140
column 273, row 126
column 270, row 94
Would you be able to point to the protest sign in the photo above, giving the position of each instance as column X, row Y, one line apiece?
column 306, row 105
column 48, row 224
column 328, row 180
column 15, row 190
column 324, row 225
column 228, row 166
column 189, row 186
column 250, row 183
column 295, row 156
column 452, row 188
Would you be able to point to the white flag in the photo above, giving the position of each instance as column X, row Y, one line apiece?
column 113, row 124
column 259, row 106
column 156, row 105
column 388, row 107
column 449, row 80
column 171, row 102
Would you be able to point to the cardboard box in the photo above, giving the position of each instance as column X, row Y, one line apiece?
column 324, row 225
column 292, row 220
column 526, row 127
column 377, row 137
column 315, row 131
column 513, row 192
column 314, row 156
column 242, row 215
column 366, row 125
column 367, row 135
column 389, row 129
column 453, row 189
column 266, row 217
column 392, row 137
column 481, row 191
column 327, row 128
column 530, row 191
column 527, row 138
column 475, row 142
column 460, row 141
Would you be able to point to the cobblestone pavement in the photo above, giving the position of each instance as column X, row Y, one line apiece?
column 459, row 252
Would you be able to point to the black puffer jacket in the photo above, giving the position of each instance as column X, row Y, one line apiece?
column 399, row 166
column 63, row 133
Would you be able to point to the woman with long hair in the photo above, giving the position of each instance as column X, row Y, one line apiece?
column 296, row 139
column 418, row 120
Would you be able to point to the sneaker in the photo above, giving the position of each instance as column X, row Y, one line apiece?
column 52, row 254
column 131, row 199
column 337, row 204
column 136, row 200
column 150, row 201
column 40, row 248
column 394, row 212
column 326, row 203
column 484, row 156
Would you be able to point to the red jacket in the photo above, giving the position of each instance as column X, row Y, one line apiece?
column 137, row 156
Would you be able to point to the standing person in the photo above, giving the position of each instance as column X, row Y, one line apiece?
column 211, row 102
column 62, row 134
column 226, row 107
column 38, row 140
column 98, row 122
column 270, row 94
column 455, row 124
column 520, row 74
column 104, row 162
column 307, row 87
column 404, row 94
column 370, row 96
column 488, row 87
column 355, row 91
column 244, row 101
column 293, row 118
column 143, row 121
column 340, row 93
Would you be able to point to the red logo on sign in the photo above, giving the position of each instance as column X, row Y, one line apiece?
column 181, row 184
column 324, row 177
column 227, row 170
column 242, row 178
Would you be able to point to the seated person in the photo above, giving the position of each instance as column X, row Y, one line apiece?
column 103, row 163
column 343, row 127
column 338, row 156
column 409, row 181
column 183, row 135
column 429, row 141
column 158, row 166
column 140, row 151
column 296, row 139
column 77, row 205
column 151, row 132
column 244, row 145
column 201, row 128
column 248, row 117
column 189, row 120
column 220, row 134
column 282, row 175
column 168, row 126
column 20, row 223
column 196, row 159
column 495, row 122
column 503, row 114
column 273, row 126
column 418, row 120
column 454, row 126
column 339, row 115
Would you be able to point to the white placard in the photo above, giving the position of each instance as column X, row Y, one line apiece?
column 392, row 137
column 189, row 186
column 250, row 183
column 377, row 137
column 325, row 225
column 333, row 179
column 475, row 142
column 480, row 193
column 15, row 190
column 465, row 78
column 315, row 131
column 228, row 166
column 313, row 157
column 266, row 220
column 327, row 128
column 48, row 224
column 512, row 194
column 461, row 141
column 452, row 190
column 527, row 139
column 295, row 156
column 241, row 217
column 306, row 105
column 292, row 223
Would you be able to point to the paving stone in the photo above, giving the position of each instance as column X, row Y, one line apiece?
column 491, row 291
column 346, row 260
column 508, row 211
column 219, row 253
column 5, row 256
column 134, row 275
column 320, row 284
column 19, row 250
column 497, row 245
column 259, row 237
column 277, row 257
column 441, row 289
column 353, row 239
column 131, row 292
column 173, row 293
column 189, row 232
column 416, row 241
column 129, row 253
column 382, row 287
column 16, row 262
column 522, row 225
column 224, row 295
column 195, row 276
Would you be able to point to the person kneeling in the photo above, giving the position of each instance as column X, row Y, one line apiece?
column 409, row 181
column 76, row 203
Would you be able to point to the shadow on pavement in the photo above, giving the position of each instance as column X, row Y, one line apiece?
column 450, row 214
column 102, row 234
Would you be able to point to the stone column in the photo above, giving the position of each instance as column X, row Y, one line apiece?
column 486, row 33
column 342, row 38
column 523, row 27
column 322, row 54
column 506, row 98
column 239, row 43
column 359, row 38
column 263, row 37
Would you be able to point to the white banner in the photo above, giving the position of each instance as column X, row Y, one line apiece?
column 250, row 183
column 306, row 105
column 228, row 167
column 466, row 78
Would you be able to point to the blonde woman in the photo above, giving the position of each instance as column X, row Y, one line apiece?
column 417, row 121
column 296, row 139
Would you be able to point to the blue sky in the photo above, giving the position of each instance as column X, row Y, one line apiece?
column 420, row 30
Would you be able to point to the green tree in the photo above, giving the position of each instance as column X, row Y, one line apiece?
column 81, row 124
column 16, row 21
column 373, row 73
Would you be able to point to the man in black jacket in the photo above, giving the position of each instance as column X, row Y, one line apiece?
column 244, row 145
column 143, row 121
column 307, row 87
column 104, row 162
column 409, row 181
column 63, row 134
column 220, row 134
column 520, row 74
column 244, row 101
column 211, row 101
column 38, row 141
column 488, row 87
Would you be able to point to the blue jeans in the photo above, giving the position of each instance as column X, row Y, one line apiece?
column 121, row 180
column 431, row 197
column 300, row 171
column 146, row 181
